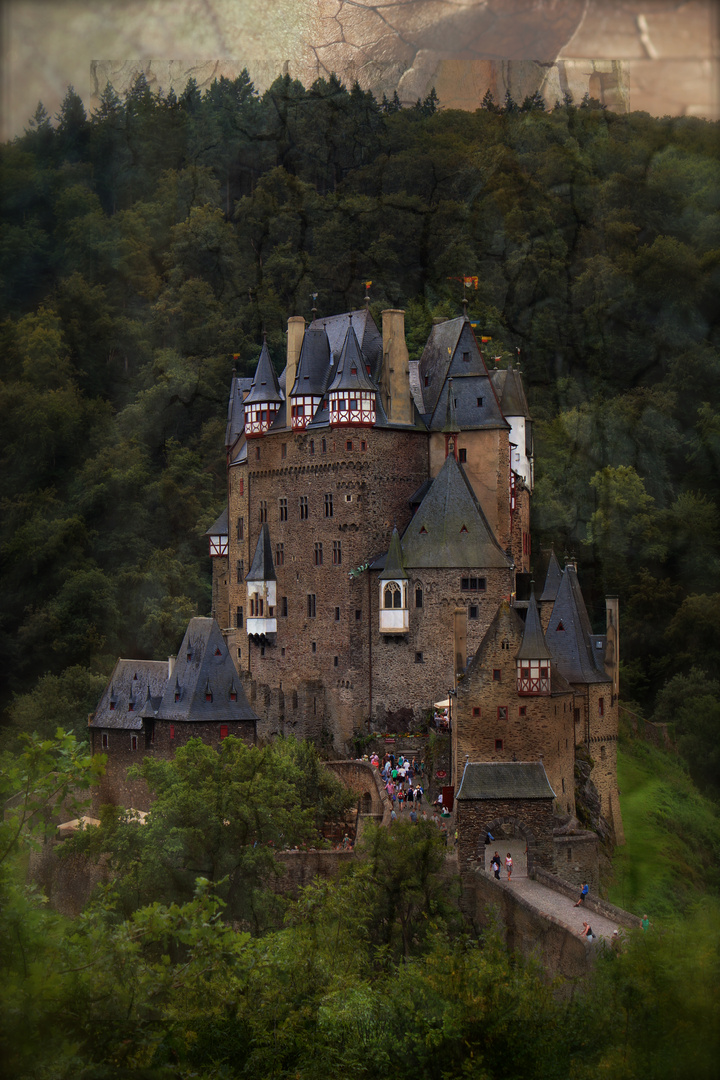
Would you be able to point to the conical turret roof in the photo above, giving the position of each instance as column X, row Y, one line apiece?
column 553, row 578
column 533, row 643
column 394, row 569
column 511, row 392
column 265, row 386
column 314, row 368
column 263, row 567
column 351, row 373
column 569, row 633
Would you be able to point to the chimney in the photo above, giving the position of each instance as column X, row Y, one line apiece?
column 395, row 376
column 295, row 335
column 612, row 649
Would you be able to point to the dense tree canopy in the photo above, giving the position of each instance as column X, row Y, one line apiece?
column 145, row 247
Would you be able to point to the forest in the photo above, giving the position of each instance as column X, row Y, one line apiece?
column 146, row 247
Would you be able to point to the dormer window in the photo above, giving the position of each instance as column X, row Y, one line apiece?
column 533, row 676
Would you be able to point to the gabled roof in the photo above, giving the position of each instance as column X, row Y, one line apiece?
column 436, row 357
column 569, row 634
column 351, row 372
column 533, row 643
column 263, row 567
column 204, row 667
column 129, row 682
column 313, row 368
column 450, row 529
column 367, row 333
column 236, row 410
column 394, row 569
column 505, row 780
column 265, row 386
column 467, row 391
column 510, row 391
column 505, row 623
column 219, row 527
column 553, row 578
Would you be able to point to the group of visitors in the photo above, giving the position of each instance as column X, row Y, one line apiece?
column 496, row 865
column 402, row 780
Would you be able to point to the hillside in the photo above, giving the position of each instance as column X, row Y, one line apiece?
column 672, row 855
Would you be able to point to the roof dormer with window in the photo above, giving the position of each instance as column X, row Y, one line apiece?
column 533, row 656
column 264, row 399
column 352, row 394
column 313, row 373
column 394, row 603
column 262, row 592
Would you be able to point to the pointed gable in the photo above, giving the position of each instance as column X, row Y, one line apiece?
column 569, row 633
column 435, row 360
column 553, row 578
column 263, row 565
column 207, row 678
column 505, row 624
column 434, row 537
column 533, row 643
column 265, row 385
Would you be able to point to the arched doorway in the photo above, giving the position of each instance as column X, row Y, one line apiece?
column 513, row 835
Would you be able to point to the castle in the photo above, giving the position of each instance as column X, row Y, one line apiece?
column 374, row 559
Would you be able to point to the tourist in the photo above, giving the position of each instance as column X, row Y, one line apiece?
column 583, row 893
column 509, row 865
column 496, row 864
column 645, row 922
column 413, row 816
column 587, row 931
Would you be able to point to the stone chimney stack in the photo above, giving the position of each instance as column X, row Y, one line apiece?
column 295, row 335
column 612, row 649
column 395, row 376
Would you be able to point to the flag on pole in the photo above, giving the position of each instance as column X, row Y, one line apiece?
column 368, row 284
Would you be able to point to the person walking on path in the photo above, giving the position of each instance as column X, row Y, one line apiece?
column 496, row 864
column 645, row 922
column 509, row 865
column 587, row 931
column 583, row 893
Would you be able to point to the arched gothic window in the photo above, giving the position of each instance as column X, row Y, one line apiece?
column 392, row 597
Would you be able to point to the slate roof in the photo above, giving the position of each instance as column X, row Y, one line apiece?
column 572, row 646
column 449, row 529
column 394, row 560
column 552, row 579
column 219, row 527
column 508, row 622
column 533, row 643
column 435, row 359
column 510, row 391
column 367, row 333
column 129, row 682
column 504, row 780
column 265, row 386
column 204, row 665
column 236, row 410
column 351, row 372
column 263, row 566
column 313, row 368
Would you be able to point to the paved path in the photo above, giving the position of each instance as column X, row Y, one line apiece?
column 546, row 900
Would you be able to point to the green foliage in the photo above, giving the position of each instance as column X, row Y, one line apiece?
column 220, row 815
column 673, row 833
column 58, row 701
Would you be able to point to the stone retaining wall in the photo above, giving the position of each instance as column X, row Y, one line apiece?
column 592, row 903
column 486, row 901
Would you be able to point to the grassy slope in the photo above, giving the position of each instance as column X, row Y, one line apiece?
column 672, row 854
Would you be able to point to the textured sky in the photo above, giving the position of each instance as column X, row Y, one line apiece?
column 668, row 48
